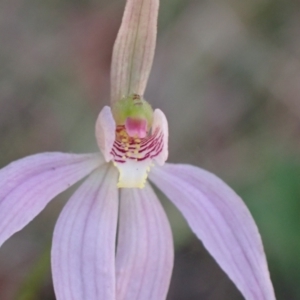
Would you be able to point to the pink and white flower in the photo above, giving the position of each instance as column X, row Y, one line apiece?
column 116, row 202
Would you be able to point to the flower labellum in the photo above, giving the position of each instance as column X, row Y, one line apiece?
column 141, row 138
column 133, row 143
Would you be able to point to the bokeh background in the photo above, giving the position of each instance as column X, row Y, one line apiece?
column 226, row 74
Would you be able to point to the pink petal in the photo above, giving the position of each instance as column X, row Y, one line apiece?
column 134, row 49
column 106, row 132
column 160, row 123
column 27, row 185
column 221, row 220
column 145, row 248
column 83, row 252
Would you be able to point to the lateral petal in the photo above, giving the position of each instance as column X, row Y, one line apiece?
column 222, row 221
column 106, row 132
column 27, row 185
column 160, row 123
column 134, row 49
column 83, row 251
column 145, row 247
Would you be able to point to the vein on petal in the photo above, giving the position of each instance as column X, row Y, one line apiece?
column 174, row 179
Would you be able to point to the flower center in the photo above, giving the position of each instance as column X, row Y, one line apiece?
column 134, row 138
column 133, row 156
column 126, row 147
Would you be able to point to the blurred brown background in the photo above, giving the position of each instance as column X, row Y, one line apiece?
column 226, row 74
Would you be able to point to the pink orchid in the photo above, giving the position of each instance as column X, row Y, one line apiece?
column 87, row 263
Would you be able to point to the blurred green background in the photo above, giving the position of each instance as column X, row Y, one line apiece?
column 226, row 74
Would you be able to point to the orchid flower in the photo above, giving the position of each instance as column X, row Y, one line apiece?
column 116, row 201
